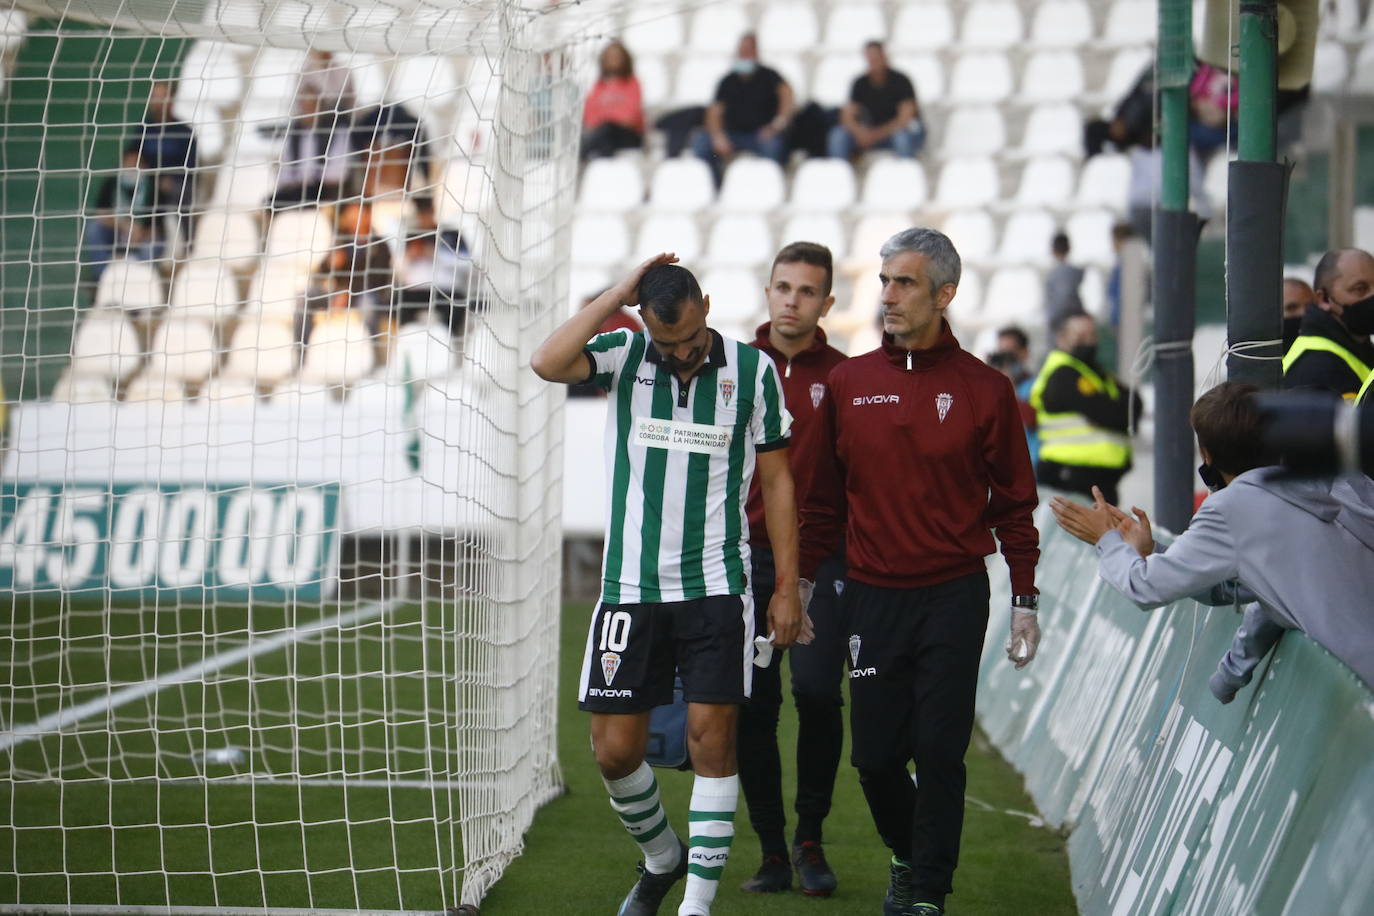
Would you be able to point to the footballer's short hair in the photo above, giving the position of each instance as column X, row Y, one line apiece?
column 665, row 288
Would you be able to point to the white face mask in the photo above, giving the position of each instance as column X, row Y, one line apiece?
column 128, row 177
column 745, row 66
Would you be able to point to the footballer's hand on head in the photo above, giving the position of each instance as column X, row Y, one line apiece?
column 627, row 293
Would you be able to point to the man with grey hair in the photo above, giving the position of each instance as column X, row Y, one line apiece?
column 921, row 461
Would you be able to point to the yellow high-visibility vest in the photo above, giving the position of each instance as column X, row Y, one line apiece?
column 1311, row 343
column 1364, row 394
column 1071, row 438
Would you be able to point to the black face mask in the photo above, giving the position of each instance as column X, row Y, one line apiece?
column 1211, row 477
column 1084, row 353
column 1358, row 317
column 1291, row 326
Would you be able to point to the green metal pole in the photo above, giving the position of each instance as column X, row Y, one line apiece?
column 1258, row 80
column 1173, row 129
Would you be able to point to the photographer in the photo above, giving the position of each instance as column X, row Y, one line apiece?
column 1303, row 547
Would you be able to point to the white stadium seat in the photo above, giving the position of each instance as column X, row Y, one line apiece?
column 849, row 26
column 973, row 234
column 585, row 282
column 1061, row 24
column 717, row 29
column 277, row 288
column 1093, row 293
column 894, row 184
column 243, row 186
column 927, row 75
column 967, row 306
column 1362, row 81
column 132, row 285
column 654, row 84
column 1090, row 235
column 423, row 83
column 1125, row 69
column 834, row 77
column 870, row 233
column 183, row 350
column 979, row 78
column 736, row 297
column 1046, row 181
column 211, row 83
column 1014, row 295
column 681, row 185
column 821, row 228
column 675, row 232
column 1105, row 182
column 823, row 185
column 423, row 350
column 1052, row 76
column 262, row 352
column 922, row 27
column 789, row 28
column 752, row 184
column 970, row 182
column 303, row 235
column 1131, row 23
column 655, row 34
column 204, row 290
column 992, row 25
column 1026, row 238
column 794, row 70
column 612, row 185
column 339, row 349
column 82, row 390
column 974, row 131
column 1330, row 68
column 1053, row 129
column 105, row 346
column 599, row 241
column 1339, row 20
column 697, row 79
column 370, row 75
column 740, row 240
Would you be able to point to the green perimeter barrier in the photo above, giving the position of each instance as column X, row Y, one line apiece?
column 1177, row 804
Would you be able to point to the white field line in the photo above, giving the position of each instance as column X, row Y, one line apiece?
column 54, row 722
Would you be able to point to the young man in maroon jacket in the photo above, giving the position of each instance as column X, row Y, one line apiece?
column 925, row 460
column 798, row 296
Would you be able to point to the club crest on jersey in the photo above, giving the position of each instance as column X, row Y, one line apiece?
column 610, row 664
column 854, row 643
column 943, row 402
column 817, row 392
column 727, row 390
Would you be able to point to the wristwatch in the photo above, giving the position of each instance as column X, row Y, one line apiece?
column 1029, row 603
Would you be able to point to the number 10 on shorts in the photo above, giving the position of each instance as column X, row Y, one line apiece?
column 615, row 636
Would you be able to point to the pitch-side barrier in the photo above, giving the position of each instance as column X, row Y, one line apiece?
column 1175, row 803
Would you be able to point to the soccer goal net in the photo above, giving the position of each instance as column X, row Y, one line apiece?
column 279, row 537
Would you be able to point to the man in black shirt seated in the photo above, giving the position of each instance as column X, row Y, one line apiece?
column 751, row 112
column 881, row 113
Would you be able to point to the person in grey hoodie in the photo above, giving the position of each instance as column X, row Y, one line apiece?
column 1303, row 547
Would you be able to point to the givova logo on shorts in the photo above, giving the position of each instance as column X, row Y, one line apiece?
column 224, row 538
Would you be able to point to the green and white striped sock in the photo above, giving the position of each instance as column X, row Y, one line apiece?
column 635, row 799
column 713, row 829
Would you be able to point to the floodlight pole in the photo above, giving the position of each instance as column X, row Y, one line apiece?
column 1175, row 234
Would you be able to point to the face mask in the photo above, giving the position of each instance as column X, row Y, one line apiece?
column 1358, row 317
column 128, row 177
column 745, row 66
column 1291, row 326
column 1084, row 353
column 1211, row 477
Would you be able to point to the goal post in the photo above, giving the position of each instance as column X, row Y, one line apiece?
column 279, row 500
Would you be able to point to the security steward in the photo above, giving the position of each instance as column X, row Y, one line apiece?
column 1333, row 352
column 1083, row 413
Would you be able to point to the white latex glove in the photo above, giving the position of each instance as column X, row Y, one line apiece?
column 1024, row 639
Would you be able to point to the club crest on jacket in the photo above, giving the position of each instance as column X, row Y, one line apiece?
column 817, row 392
column 943, row 401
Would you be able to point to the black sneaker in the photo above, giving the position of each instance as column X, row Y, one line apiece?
column 900, row 893
column 773, row 876
column 648, row 893
column 923, row 909
column 813, row 872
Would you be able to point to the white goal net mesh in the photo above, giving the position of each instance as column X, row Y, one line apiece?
column 279, row 538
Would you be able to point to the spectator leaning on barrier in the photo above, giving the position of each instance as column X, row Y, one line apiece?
column 751, row 112
column 882, row 112
column 1297, row 298
column 1303, row 547
column 613, row 116
column 922, row 460
column 1332, row 351
column 1083, row 414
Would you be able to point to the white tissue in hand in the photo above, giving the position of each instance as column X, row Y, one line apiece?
column 763, row 650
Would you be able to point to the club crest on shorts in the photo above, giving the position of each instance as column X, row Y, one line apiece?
column 727, row 390
column 854, row 643
column 610, row 664
column 817, row 392
column 943, row 402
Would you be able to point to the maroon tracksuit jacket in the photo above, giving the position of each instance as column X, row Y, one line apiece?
column 803, row 387
column 927, row 459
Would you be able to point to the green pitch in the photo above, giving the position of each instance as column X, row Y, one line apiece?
column 316, row 706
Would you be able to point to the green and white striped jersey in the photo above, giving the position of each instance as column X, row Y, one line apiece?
column 679, row 461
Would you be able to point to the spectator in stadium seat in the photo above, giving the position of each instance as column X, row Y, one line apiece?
column 1132, row 121
column 124, row 223
column 331, row 83
column 360, row 263
column 751, row 112
column 613, row 116
column 1297, row 298
column 1012, row 358
column 434, row 274
column 1083, row 413
column 1303, row 546
column 1213, row 100
column 882, row 112
column 316, row 155
column 168, row 148
column 389, row 124
column 924, row 469
column 1061, row 285
column 1332, row 351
